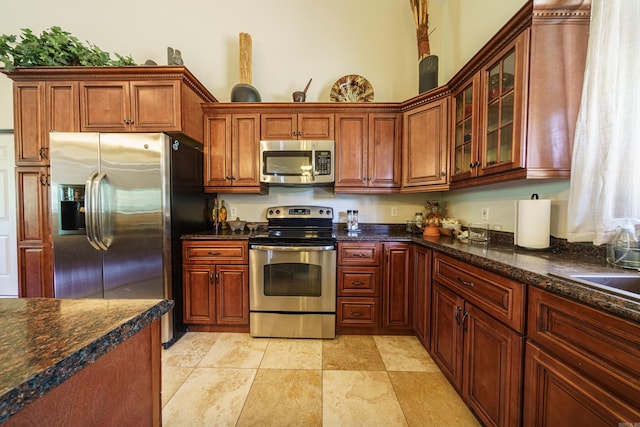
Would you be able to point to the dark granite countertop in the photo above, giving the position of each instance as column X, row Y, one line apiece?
column 539, row 268
column 44, row 341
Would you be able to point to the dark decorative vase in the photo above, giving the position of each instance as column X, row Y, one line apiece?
column 243, row 92
column 427, row 73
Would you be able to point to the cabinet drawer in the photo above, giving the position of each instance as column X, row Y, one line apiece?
column 360, row 312
column 605, row 347
column 498, row 296
column 208, row 252
column 359, row 253
column 359, row 281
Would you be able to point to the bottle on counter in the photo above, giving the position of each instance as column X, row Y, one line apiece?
column 214, row 214
column 354, row 221
column 222, row 216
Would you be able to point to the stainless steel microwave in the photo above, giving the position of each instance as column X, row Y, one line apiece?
column 297, row 162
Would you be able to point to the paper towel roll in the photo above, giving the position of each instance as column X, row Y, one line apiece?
column 532, row 223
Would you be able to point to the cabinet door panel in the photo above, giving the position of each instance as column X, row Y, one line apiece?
column 384, row 150
column 422, row 301
column 278, row 126
column 425, row 155
column 217, row 150
column 492, row 368
column 446, row 334
column 34, row 265
column 199, row 294
column 315, row 126
column 105, row 106
column 232, row 295
column 397, row 286
column 246, row 150
column 557, row 396
column 351, row 150
column 28, row 120
column 155, row 106
column 33, row 207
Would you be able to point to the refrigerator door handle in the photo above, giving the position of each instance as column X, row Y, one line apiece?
column 89, row 210
column 97, row 211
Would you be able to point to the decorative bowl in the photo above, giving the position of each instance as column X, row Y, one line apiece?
column 237, row 225
column 253, row 226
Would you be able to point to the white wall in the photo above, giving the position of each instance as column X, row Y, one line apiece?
column 294, row 40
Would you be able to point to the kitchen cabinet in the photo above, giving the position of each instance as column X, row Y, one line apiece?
column 232, row 154
column 34, row 233
column 359, row 285
column 368, row 153
column 41, row 107
column 477, row 337
column 512, row 116
column 216, row 285
column 422, row 297
column 374, row 287
column 274, row 126
column 424, row 151
column 582, row 365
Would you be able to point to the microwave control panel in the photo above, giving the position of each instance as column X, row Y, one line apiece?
column 323, row 162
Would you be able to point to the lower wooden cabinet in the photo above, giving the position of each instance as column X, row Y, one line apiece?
column 374, row 287
column 582, row 365
column 35, row 274
column 479, row 354
column 422, row 295
column 216, row 285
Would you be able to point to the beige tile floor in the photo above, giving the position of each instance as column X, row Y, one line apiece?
column 227, row 379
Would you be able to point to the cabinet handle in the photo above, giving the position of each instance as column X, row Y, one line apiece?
column 360, row 255
column 214, row 253
column 357, row 314
column 44, row 153
column 470, row 284
column 464, row 316
column 210, row 277
column 457, row 315
column 359, row 282
column 217, row 277
column 443, row 173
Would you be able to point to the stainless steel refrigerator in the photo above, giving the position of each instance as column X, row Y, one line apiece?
column 120, row 202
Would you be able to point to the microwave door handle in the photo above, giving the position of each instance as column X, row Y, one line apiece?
column 313, row 162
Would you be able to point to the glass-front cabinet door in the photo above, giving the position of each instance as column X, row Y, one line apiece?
column 502, row 108
column 465, row 143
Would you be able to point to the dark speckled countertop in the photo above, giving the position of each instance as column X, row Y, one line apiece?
column 45, row 341
column 539, row 268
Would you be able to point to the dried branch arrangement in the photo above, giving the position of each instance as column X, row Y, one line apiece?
column 420, row 9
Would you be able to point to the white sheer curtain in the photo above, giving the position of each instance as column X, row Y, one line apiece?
column 605, row 175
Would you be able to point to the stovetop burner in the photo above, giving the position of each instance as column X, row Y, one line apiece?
column 297, row 226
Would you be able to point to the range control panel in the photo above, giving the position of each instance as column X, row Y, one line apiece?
column 306, row 212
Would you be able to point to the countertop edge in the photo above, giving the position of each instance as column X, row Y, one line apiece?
column 46, row 380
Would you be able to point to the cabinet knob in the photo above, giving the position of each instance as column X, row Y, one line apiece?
column 44, row 153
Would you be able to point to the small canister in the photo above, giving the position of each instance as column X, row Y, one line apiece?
column 349, row 219
column 354, row 223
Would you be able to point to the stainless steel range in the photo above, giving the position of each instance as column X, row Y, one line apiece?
column 292, row 274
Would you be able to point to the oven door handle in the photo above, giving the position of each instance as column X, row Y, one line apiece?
column 293, row 248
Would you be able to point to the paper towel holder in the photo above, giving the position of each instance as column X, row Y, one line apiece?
column 527, row 240
column 534, row 196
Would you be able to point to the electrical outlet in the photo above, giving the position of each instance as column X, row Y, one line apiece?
column 234, row 213
column 394, row 211
column 485, row 213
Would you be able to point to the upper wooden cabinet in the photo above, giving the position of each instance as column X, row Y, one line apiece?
column 297, row 126
column 232, row 153
column 424, row 151
column 124, row 106
column 41, row 107
column 368, row 148
column 513, row 115
column 105, row 99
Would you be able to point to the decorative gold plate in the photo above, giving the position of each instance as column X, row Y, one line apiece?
column 351, row 88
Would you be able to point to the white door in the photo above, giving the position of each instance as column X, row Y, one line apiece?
column 8, row 251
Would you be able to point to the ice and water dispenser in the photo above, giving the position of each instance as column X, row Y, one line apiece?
column 71, row 213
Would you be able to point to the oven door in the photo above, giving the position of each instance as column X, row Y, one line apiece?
column 300, row 279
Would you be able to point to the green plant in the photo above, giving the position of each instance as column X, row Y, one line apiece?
column 54, row 47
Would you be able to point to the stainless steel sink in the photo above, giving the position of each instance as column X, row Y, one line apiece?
column 621, row 283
